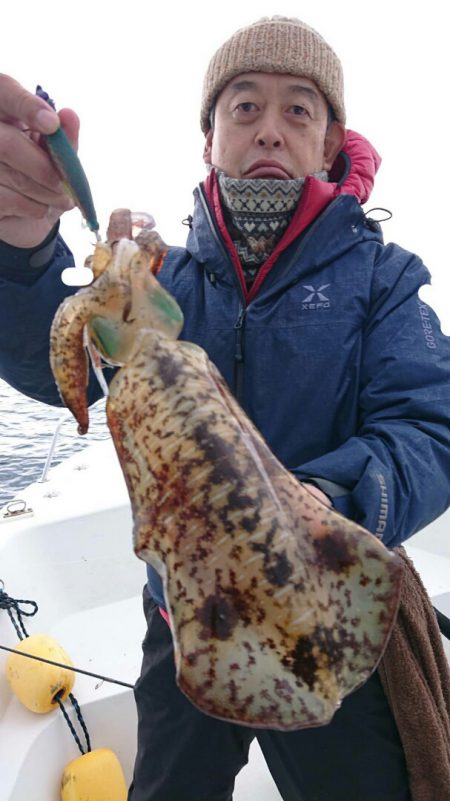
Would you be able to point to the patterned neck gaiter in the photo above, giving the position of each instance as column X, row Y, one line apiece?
column 257, row 212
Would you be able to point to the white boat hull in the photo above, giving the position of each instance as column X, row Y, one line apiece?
column 73, row 556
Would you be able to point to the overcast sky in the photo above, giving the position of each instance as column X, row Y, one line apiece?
column 133, row 72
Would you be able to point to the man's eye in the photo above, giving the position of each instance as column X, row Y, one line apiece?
column 299, row 111
column 247, row 106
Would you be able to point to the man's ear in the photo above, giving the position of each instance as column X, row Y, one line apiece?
column 208, row 147
column 334, row 142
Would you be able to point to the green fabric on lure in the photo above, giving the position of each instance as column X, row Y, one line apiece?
column 71, row 170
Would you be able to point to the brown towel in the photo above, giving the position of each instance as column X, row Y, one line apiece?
column 416, row 678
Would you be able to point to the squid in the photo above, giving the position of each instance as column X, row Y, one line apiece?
column 278, row 606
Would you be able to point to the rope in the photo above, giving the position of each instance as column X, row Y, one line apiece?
column 12, row 606
column 77, row 709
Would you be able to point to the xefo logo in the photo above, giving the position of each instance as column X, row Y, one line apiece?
column 316, row 299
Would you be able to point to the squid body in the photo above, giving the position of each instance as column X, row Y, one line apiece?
column 279, row 606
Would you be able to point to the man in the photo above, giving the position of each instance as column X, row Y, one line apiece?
column 317, row 328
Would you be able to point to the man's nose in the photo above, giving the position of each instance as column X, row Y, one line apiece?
column 269, row 132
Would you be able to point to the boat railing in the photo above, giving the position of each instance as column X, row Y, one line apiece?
column 51, row 451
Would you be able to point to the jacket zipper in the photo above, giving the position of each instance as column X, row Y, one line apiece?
column 307, row 236
column 239, row 328
column 219, row 241
column 239, row 325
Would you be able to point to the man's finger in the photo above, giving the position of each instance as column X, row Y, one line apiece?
column 313, row 490
column 19, row 151
column 16, row 103
column 25, row 185
column 14, row 204
column 27, row 233
column 21, row 206
column 71, row 124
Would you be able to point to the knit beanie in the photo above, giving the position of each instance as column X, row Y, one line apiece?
column 275, row 44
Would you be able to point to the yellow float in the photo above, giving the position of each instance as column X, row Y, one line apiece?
column 36, row 684
column 96, row 776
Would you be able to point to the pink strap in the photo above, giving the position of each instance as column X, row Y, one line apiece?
column 165, row 615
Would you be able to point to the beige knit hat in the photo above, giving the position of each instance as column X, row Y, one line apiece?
column 275, row 44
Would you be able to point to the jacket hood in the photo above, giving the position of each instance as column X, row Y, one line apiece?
column 353, row 172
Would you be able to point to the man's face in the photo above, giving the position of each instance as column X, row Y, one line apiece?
column 268, row 125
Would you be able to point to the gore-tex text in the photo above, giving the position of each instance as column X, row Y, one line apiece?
column 424, row 312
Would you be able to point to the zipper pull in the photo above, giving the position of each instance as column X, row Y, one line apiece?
column 239, row 328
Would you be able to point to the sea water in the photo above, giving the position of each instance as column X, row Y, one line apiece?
column 26, row 430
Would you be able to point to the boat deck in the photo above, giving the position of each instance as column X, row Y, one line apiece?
column 73, row 558
column 75, row 561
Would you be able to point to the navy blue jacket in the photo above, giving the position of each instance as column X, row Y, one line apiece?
column 336, row 360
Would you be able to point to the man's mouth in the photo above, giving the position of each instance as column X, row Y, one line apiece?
column 267, row 169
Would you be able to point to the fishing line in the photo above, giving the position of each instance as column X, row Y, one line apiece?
column 68, row 667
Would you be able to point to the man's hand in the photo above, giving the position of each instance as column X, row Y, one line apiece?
column 317, row 493
column 32, row 197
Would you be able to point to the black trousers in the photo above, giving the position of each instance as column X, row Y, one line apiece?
column 185, row 755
